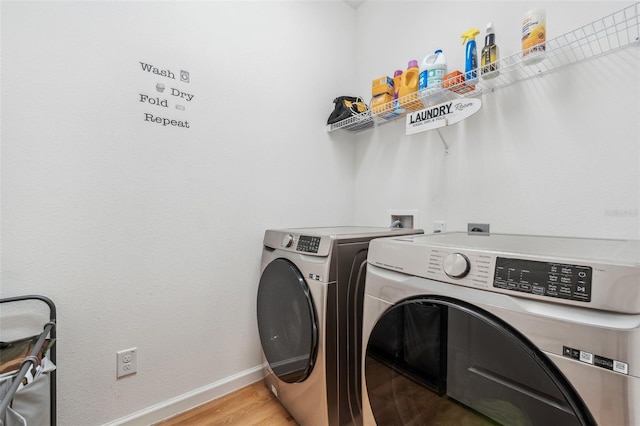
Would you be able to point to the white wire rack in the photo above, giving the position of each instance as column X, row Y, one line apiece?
column 618, row 30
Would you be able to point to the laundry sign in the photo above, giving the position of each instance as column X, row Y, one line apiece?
column 442, row 115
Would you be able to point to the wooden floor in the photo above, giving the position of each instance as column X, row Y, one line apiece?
column 251, row 405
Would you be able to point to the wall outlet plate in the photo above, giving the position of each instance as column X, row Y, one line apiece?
column 127, row 362
column 439, row 226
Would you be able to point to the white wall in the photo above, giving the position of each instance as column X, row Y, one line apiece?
column 149, row 236
column 556, row 155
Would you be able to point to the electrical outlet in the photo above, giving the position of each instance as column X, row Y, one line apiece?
column 439, row 226
column 127, row 362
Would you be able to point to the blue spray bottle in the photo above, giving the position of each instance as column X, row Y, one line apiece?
column 471, row 55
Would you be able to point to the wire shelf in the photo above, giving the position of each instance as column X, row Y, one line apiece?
column 616, row 31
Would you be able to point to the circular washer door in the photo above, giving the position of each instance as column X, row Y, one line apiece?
column 437, row 360
column 287, row 321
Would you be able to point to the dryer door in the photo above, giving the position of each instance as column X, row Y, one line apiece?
column 438, row 360
column 287, row 321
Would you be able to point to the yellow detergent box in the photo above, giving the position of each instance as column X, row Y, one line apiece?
column 382, row 85
column 381, row 104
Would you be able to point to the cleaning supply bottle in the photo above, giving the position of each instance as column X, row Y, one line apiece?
column 408, row 93
column 397, row 79
column 471, row 55
column 438, row 71
column 424, row 71
column 533, row 36
column 489, row 54
column 432, row 71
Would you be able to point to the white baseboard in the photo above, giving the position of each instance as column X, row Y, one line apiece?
column 190, row 400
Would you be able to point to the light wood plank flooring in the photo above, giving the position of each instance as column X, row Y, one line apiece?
column 251, row 405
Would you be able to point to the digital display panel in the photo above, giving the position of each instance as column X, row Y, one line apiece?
column 308, row 244
column 549, row 279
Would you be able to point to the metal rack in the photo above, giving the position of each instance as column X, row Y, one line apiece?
column 29, row 312
column 613, row 32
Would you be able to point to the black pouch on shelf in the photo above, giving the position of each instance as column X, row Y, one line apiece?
column 345, row 107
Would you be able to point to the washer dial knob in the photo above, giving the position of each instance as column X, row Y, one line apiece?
column 456, row 265
column 287, row 240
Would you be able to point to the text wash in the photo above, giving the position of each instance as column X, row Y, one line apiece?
column 428, row 114
column 163, row 73
column 166, row 121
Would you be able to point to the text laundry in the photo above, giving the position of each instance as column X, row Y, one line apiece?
column 428, row 114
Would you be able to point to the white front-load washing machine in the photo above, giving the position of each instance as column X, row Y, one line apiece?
column 309, row 311
column 475, row 329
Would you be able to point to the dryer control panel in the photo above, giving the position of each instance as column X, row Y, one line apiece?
column 294, row 242
column 308, row 244
column 550, row 279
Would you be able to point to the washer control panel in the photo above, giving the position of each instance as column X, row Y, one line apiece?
column 591, row 273
column 572, row 282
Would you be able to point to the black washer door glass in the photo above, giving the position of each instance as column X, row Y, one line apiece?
column 287, row 321
column 441, row 361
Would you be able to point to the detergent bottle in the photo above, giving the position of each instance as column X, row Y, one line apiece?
column 471, row 55
column 433, row 69
column 424, row 72
column 408, row 92
column 439, row 70
column 397, row 80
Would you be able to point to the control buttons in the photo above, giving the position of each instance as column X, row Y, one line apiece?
column 569, row 282
column 308, row 244
column 287, row 240
column 456, row 265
